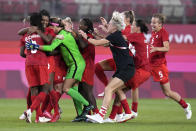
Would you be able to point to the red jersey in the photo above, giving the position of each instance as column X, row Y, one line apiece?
column 89, row 51
column 34, row 57
column 49, row 31
column 59, row 62
column 157, row 39
column 127, row 30
column 138, row 47
column 88, row 54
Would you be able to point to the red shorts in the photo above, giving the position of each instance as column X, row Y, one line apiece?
column 112, row 64
column 51, row 64
column 37, row 75
column 139, row 77
column 60, row 73
column 88, row 75
column 160, row 73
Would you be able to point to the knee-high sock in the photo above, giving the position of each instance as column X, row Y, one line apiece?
column 77, row 104
column 38, row 100
column 55, row 96
column 183, row 103
column 114, row 111
column 100, row 74
column 134, row 106
column 125, row 106
column 120, row 109
column 45, row 103
column 77, row 96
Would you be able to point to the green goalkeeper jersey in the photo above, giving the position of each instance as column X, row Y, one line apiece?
column 71, row 54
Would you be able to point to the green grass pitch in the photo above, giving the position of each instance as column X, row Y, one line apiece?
column 154, row 115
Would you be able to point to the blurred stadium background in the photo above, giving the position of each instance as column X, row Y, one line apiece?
column 181, row 24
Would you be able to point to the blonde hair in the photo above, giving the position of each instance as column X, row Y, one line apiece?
column 161, row 17
column 68, row 19
column 118, row 20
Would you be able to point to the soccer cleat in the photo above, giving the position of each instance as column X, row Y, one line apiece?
column 28, row 116
column 101, row 94
column 126, row 117
column 80, row 118
column 95, row 118
column 87, row 109
column 90, row 121
column 135, row 114
column 47, row 114
column 23, row 116
column 44, row 119
column 119, row 117
column 55, row 118
column 188, row 112
column 109, row 120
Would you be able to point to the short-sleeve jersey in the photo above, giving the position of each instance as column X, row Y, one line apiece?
column 138, row 45
column 157, row 39
column 34, row 57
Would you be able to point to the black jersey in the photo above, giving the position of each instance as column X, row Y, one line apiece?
column 120, row 50
column 124, row 62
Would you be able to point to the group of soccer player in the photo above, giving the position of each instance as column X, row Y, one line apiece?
column 61, row 60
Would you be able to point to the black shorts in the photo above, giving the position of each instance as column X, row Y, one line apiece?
column 125, row 74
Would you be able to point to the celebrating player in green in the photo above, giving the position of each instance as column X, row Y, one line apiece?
column 74, row 61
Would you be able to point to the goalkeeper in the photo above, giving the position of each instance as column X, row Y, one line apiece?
column 74, row 61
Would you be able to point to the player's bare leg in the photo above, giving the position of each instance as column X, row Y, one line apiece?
column 114, row 85
column 175, row 96
column 135, row 99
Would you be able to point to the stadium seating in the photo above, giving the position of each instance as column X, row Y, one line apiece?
column 177, row 10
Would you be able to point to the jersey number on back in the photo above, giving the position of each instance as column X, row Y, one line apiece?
column 33, row 51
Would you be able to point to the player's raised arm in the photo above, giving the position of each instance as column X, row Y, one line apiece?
column 93, row 41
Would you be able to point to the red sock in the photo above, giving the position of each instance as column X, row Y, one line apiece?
column 102, row 111
column 120, row 109
column 134, row 106
column 95, row 110
column 125, row 105
column 54, row 99
column 38, row 100
column 100, row 74
column 114, row 111
column 58, row 96
column 45, row 103
column 89, row 113
column 29, row 102
column 33, row 98
column 38, row 112
column 183, row 103
column 49, row 108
